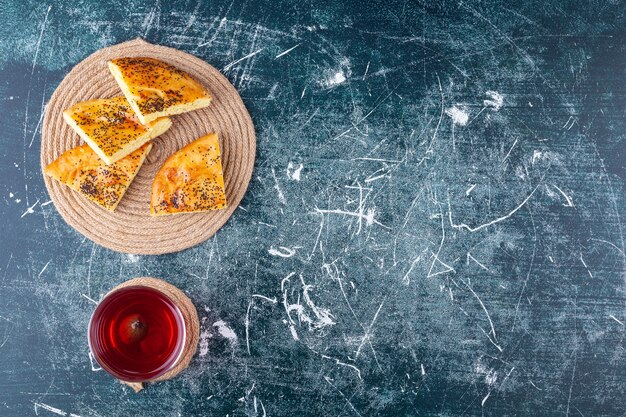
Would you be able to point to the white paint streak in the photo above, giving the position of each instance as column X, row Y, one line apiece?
column 482, row 403
column 52, row 409
column 132, row 258
column 458, row 116
column 30, row 210
column 585, row 265
column 247, row 321
column 510, row 150
column 32, row 139
column 262, row 297
column 573, row 121
column 368, row 332
column 250, row 55
column 294, row 172
column 345, row 132
column 89, row 298
column 499, row 219
column 491, row 377
column 95, row 367
column 537, row 155
column 371, row 179
column 392, row 161
column 149, row 18
column 247, row 326
column 493, row 330
column 217, row 31
column 294, row 334
column 286, row 51
column 328, row 380
column 203, row 345
column 338, row 362
column 447, row 267
column 568, row 199
column 44, row 268
column 225, row 331
column 368, row 216
column 37, row 47
column 281, row 196
column 469, row 256
column 334, row 80
column 405, row 279
column 322, row 316
column 317, row 239
column 282, row 252
column 436, row 255
column 495, row 100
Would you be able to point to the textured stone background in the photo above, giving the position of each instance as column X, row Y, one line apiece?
column 434, row 225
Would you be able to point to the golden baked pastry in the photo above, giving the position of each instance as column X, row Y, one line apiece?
column 83, row 171
column 111, row 128
column 190, row 180
column 156, row 89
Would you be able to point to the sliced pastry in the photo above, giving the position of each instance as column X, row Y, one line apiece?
column 83, row 171
column 190, row 180
column 111, row 127
column 155, row 88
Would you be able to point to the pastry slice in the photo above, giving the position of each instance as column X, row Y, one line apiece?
column 111, row 128
column 83, row 171
column 156, row 89
column 190, row 180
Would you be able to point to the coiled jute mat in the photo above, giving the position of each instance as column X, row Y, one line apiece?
column 192, row 324
column 130, row 228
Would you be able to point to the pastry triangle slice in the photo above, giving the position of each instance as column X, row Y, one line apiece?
column 111, row 128
column 190, row 180
column 156, row 89
column 83, row 171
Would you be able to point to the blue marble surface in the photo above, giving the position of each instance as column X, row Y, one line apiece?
column 434, row 225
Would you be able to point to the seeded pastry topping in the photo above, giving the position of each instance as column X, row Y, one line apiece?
column 191, row 180
column 155, row 88
column 111, row 127
column 83, row 171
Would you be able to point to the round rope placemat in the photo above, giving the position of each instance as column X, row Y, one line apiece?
column 130, row 228
column 192, row 324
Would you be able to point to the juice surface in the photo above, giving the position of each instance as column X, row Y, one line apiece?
column 136, row 333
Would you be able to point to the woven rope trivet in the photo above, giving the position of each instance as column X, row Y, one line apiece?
column 130, row 228
column 192, row 324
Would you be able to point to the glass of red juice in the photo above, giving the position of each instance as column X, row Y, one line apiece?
column 136, row 333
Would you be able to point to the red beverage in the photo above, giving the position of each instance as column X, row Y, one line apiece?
column 136, row 333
